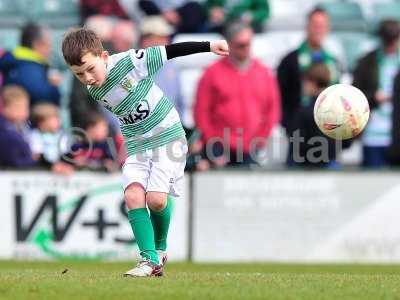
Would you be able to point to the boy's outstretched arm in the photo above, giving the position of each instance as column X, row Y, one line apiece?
column 219, row 47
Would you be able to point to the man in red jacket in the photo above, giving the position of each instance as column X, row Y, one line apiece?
column 238, row 103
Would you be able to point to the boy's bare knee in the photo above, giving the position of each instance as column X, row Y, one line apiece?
column 135, row 196
column 156, row 200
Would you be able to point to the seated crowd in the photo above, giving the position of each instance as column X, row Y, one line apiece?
column 239, row 101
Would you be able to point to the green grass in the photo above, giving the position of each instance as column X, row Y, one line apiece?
column 90, row 280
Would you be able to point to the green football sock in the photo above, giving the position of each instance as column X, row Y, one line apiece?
column 160, row 221
column 143, row 232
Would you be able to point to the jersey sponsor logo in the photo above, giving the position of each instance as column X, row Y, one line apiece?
column 141, row 112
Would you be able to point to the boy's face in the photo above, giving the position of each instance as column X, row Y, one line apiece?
column 310, row 88
column 93, row 71
column 17, row 112
column 50, row 124
column 98, row 132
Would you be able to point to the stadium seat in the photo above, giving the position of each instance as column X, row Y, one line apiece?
column 384, row 10
column 189, row 79
column 55, row 13
column 10, row 14
column 9, row 38
column 355, row 44
column 272, row 46
column 288, row 14
column 56, row 58
column 367, row 6
column 345, row 15
column 335, row 46
column 65, row 89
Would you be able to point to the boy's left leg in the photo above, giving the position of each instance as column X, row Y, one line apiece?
column 168, row 164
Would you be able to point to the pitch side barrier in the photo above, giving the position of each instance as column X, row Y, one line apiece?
column 222, row 217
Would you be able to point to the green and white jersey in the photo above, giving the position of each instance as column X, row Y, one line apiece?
column 147, row 118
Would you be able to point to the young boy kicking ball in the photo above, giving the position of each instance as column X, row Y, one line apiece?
column 154, row 137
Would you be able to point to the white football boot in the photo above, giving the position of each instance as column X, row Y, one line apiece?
column 145, row 268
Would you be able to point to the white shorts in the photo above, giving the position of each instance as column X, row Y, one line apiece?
column 158, row 170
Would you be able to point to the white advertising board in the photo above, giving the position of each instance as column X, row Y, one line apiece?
column 83, row 216
column 296, row 217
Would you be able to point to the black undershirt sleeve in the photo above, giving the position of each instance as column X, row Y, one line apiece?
column 186, row 48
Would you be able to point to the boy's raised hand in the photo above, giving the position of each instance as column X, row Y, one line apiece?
column 219, row 47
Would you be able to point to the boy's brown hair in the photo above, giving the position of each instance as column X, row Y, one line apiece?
column 319, row 74
column 42, row 111
column 79, row 41
column 13, row 93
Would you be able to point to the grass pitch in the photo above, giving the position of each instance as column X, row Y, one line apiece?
column 96, row 280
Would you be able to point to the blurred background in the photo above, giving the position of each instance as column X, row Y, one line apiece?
column 262, row 182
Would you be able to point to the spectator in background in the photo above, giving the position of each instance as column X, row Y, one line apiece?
column 293, row 66
column 123, row 36
column 374, row 75
column 27, row 66
column 237, row 103
column 394, row 149
column 186, row 16
column 14, row 132
column 47, row 142
column 252, row 12
column 315, row 149
column 110, row 8
column 103, row 26
column 156, row 31
column 95, row 153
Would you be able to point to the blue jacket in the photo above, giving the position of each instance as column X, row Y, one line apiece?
column 14, row 149
column 27, row 68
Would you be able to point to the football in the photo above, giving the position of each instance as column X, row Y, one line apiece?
column 341, row 111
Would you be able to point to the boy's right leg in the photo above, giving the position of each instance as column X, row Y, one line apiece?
column 143, row 231
column 160, row 215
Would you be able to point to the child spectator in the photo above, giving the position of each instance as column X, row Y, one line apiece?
column 15, row 151
column 47, row 143
column 310, row 147
column 95, row 152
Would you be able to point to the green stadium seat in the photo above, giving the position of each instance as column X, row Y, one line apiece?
column 65, row 90
column 8, row 7
column 10, row 13
column 384, row 10
column 345, row 15
column 56, row 58
column 355, row 45
column 9, row 38
column 54, row 13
